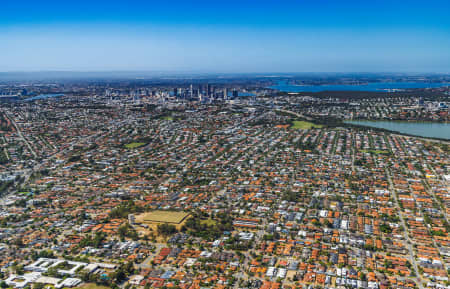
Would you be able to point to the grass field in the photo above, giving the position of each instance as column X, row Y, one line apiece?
column 209, row 222
column 300, row 124
column 162, row 217
column 149, row 222
column 92, row 286
column 167, row 118
column 134, row 145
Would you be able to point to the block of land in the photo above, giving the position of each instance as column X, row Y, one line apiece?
column 300, row 124
column 171, row 217
column 134, row 145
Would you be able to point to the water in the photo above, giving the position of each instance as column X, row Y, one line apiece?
column 44, row 96
column 424, row 129
column 377, row 86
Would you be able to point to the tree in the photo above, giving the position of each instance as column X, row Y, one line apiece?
column 127, row 231
column 53, row 272
column 38, row 286
column 19, row 270
column 166, row 229
column 123, row 271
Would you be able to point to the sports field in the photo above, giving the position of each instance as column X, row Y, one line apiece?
column 162, row 217
column 134, row 145
column 300, row 124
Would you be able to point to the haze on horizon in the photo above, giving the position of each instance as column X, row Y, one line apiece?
column 227, row 36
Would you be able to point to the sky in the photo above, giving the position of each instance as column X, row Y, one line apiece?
column 232, row 36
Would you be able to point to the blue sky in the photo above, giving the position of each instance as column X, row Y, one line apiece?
column 226, row 36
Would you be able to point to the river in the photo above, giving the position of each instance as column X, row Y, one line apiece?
column 423, row 129
column 373, row 86
column 44, row 96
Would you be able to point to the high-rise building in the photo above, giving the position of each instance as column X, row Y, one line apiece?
column 421, row 102
column 212, row 93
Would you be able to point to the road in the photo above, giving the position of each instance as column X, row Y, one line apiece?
column 19, row 132
column 146, row 264
column 28, row 172
column 296, row 114
column 405, row 232
column 430, row 191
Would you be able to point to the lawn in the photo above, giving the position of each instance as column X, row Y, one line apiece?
column 93, row 286
column 300, row 124
column 162, row 217
column 134, row 145
column 167, row 118
column 209, row 222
